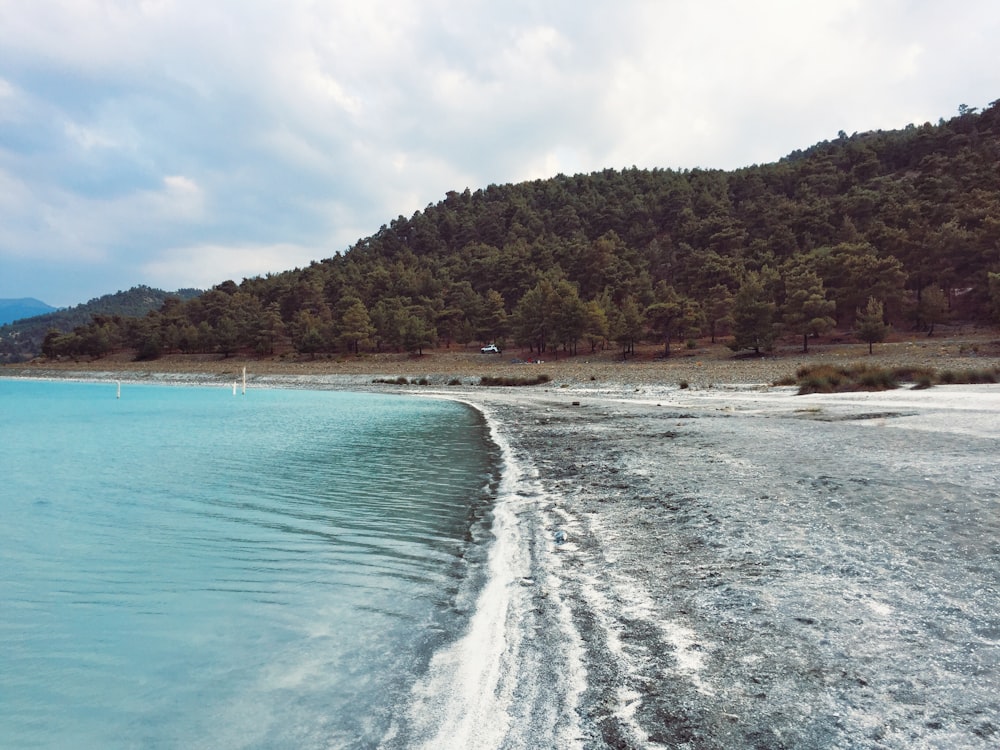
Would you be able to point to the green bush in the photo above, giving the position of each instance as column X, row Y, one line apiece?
column 830, row 379
column 498, row 381
column 981, row 376
column 876, row 379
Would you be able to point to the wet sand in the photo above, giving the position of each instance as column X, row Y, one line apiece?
column 753, row 569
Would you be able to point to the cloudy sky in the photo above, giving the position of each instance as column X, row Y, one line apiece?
column 181, row 143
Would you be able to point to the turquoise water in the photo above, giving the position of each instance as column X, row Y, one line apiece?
column 187, row 568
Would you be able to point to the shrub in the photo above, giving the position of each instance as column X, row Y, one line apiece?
column 912, row 374
column 982, row 376
column 876, row 379
column 814, row 384
column 498, row 381
column 830, row 379
column 393, row 381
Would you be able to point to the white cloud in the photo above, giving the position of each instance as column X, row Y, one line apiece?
column 88, row 138
column 181, row 199
column 203, row 266
column 134, row 127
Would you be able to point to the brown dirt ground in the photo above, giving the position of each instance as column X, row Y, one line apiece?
column 705, row 365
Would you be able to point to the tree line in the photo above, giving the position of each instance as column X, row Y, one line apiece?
column 905, row 220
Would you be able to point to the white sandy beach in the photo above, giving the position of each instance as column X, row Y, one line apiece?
column 745, row 567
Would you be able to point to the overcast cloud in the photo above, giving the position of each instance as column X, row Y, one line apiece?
column 180, row 143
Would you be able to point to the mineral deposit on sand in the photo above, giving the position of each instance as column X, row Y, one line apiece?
column 760, row 570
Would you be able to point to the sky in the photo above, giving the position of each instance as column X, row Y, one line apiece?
column 181, row 143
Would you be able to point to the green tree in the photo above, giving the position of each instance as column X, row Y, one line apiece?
column 993, row 279
column 270, row 329
column 450, row 323
column 418, row 334
column 870, row 321
column 226, row 336
column 355, row 327
column 932, row 308
column 568, row 316
column 854, row 272
column 51, row 348
column 595, row 324
column 307, row 333
column 753, row 315
column 671, row 315
column 389, row 317
column 718, row 305
column 493, row 322
column 626, row 325
column 532, row 319
column 806, row 311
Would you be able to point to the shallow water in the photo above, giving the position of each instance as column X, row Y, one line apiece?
column 187, row 568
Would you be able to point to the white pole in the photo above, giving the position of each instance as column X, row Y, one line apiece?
column 119, row 389
column 244, row 381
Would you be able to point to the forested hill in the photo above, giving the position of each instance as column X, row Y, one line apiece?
column 909, row 219
column 23, row 338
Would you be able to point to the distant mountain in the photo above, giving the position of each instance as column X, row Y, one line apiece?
column 22, row 340
column 26, row 307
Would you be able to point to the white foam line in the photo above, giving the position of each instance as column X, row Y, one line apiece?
column 465, row 701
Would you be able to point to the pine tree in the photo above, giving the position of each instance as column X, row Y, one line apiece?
column 753, row 315
column 806, row 311
column 871, row 325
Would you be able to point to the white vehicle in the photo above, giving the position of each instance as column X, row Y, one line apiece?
column 491, row 349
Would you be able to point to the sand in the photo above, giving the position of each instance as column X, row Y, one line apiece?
column 748, row 568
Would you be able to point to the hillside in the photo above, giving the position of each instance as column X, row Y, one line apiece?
column 909, row 219
column 23, row 338
column 25, row 307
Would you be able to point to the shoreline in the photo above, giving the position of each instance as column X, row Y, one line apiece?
column 706, row 366
column 744, row 567
column 708, row 620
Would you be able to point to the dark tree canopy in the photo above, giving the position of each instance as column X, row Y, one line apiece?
column 893, row 215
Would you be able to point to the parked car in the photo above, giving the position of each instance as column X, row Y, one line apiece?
column 490, row 349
